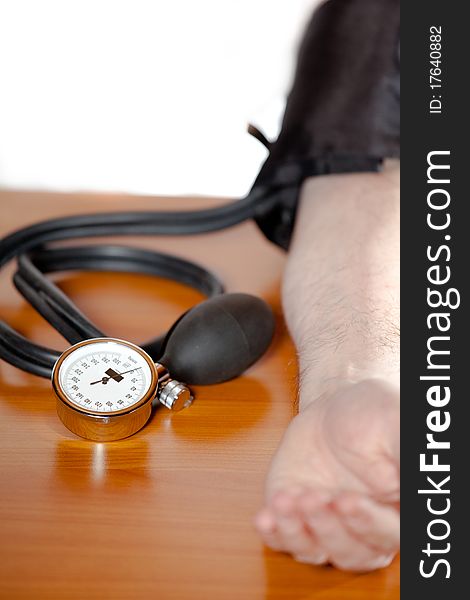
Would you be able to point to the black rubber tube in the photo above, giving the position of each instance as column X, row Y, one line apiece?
column 35, row 259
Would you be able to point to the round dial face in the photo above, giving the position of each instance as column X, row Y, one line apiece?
column 105, row 375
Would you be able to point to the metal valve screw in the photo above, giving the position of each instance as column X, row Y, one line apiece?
column 175, row 395
column 171, row 393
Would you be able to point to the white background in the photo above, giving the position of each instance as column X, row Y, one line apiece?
column 142, row 96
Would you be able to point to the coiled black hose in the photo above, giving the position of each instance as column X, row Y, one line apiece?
column 35, row 259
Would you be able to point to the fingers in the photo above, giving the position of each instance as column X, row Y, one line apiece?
column 296, row 538
column 344, row 550
column 351, row 531
column 283, row 527
column 374, row 524
column 265, row 523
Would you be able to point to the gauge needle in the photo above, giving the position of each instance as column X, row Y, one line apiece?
column 113, row 375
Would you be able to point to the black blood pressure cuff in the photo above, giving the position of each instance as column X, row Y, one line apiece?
column 343, row 112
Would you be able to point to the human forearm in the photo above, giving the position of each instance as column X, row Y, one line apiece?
column 340, row 289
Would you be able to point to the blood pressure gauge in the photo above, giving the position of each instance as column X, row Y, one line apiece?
column 105, row 388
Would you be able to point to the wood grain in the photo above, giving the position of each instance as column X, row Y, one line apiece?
column 167, row 513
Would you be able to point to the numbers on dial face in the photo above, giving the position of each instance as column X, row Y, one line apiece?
column 105, row 376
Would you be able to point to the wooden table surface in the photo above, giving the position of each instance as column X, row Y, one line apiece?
column 166, row 514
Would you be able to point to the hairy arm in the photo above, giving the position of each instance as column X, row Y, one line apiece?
column 340, row 288
column 333, row 489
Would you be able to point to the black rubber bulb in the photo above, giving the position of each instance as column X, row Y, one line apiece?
column 218, row 339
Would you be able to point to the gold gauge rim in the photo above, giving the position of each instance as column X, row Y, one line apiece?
column 148, row 396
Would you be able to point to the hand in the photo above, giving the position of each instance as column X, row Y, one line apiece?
column 333, row 487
